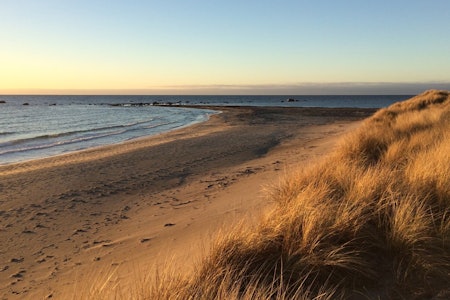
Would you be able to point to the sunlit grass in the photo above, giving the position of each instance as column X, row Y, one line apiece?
column 369, row 221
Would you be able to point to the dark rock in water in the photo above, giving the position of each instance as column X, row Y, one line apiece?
column 290, row 100
column 26, row 103
column 2, row 101
column 155, row 103
column 131, row 104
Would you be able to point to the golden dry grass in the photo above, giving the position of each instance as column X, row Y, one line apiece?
column 371, row 221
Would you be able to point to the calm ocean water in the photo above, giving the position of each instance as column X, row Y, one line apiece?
column 40, row 126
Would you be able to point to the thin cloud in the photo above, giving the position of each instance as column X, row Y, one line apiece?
column 305, row 88
column 312, row 88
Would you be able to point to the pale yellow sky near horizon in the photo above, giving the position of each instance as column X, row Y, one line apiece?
column 232, row 47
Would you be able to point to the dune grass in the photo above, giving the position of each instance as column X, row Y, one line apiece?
column 370, row 221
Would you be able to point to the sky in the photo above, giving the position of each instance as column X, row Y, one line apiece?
column 224, row 47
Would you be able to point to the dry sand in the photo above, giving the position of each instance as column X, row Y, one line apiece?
column 68, row 222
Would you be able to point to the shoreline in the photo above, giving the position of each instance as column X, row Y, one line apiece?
column 16, row 159
column 92, row 153
column 148, row 200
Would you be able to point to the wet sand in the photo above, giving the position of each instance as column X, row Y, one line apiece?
column 69, row 221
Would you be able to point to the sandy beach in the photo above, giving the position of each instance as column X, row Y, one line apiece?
column 69, row 222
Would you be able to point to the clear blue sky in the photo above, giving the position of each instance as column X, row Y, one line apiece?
column 224, row 47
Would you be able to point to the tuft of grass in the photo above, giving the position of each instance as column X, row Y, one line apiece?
column 370, row 221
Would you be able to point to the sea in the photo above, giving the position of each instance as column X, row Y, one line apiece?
column 33, row 127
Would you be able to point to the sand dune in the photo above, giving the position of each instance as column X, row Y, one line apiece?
column 368, row 221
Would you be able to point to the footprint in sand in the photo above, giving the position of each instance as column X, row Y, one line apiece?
column 18, row 274
column 4, row 268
